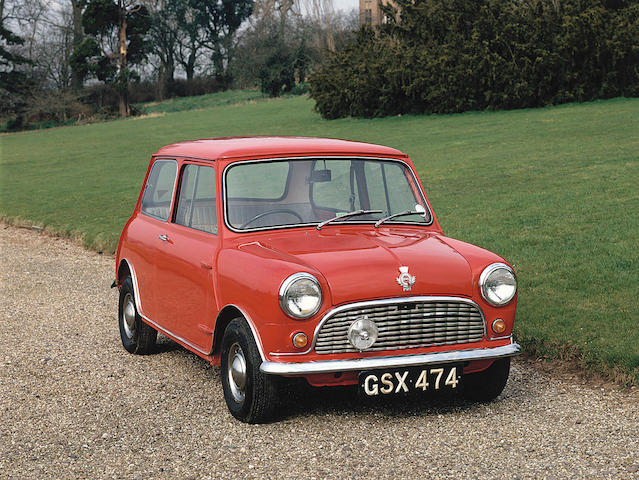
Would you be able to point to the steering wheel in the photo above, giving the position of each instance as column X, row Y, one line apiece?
column 272, row 212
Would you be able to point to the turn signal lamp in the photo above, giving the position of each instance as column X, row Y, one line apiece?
column 300, row 340
column 499, row 326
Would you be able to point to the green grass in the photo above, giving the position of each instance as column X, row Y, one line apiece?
column 554, row 190
column 228, row 97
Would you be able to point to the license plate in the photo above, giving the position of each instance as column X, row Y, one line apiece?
column 407, row 380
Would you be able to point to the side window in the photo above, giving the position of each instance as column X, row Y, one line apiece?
column 158, row 191
column 196, row 202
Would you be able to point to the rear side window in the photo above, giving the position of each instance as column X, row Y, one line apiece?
column 196, row 202
column 158, row 191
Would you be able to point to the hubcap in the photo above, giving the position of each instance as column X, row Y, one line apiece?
column 237, row 372
column 129, row 316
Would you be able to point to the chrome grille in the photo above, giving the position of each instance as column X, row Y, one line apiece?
column 405, row 324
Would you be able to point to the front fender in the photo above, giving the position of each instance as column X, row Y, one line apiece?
column 250, row 278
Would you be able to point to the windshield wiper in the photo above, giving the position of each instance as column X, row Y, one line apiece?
column 347, row 215
column 400, row 214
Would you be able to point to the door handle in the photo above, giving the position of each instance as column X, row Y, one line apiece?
column 163, row 237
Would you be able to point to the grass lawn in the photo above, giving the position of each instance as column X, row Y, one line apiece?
column 180, row 104
column 554, row 190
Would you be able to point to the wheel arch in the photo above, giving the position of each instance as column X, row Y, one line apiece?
column 124, row 270
column 226, row 315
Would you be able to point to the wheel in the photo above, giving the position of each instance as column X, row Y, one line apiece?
column 486, row 385
column 273, row 212
column 137, row 337
column 250, row 395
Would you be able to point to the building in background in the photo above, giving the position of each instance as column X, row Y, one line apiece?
column 370, row 12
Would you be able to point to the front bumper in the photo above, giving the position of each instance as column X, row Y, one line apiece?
column 372, row 363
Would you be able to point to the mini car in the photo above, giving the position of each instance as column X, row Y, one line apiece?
column 279, row 257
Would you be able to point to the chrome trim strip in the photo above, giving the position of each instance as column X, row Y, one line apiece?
column 387, row 301
column 372, row 363
column 318, row 157
column 500, row 338
column 174, row 336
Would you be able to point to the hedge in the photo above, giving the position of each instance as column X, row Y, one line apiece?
column 448, row 56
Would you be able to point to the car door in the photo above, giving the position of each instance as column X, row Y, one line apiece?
column 145, row 233
column 184, row 275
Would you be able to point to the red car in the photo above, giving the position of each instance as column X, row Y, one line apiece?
column 316, row 258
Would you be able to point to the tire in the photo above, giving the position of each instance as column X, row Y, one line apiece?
column 487, row 385
column 251, row 396
column 137, row 337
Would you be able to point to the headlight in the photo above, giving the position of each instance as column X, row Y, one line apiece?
column 300, row 295
column 498, row 284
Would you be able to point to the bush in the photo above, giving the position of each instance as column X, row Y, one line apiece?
column 301, row 88
column 277, row 75
column 446, row 56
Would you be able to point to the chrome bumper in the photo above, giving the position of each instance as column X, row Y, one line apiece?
column 372, row 363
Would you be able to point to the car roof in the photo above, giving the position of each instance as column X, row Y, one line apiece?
column 260, row 147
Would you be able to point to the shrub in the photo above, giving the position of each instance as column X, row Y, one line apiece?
column 446, row 56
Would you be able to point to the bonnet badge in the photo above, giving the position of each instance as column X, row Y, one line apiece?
column 405, row 279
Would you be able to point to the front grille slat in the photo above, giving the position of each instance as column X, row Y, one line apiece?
column 405, row 325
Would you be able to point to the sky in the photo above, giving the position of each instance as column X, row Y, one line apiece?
column 345, row 4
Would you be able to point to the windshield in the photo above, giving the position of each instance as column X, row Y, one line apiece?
column 279, row 193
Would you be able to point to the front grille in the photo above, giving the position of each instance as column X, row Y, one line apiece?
column 421, row 323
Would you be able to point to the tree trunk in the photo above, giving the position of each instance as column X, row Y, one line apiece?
column 190, row 66
column 161, row 85
column 170, row 78
column 78, row 36
column 123, row 88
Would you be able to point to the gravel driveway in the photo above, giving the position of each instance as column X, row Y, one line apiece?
column 75, row 404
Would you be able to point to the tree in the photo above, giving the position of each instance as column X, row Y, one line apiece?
column 116, row 39
column 78, row 37
column 192, row 36
column 178, row 36
column 14, row 84
column 220, row 20
column 165, row 35
column 281, row 45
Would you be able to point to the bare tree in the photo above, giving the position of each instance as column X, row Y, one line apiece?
column 46, row 27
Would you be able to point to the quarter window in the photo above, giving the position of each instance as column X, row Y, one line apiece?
column 196, row 202
column 158, row 192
